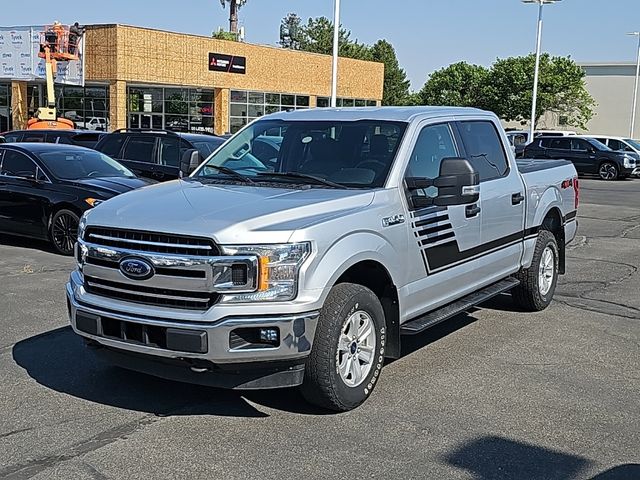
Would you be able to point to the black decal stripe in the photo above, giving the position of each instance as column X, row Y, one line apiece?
column 423, row 254
column 532, row 232
column 422, row 223
column 435, row 229
column 570, row 216
column 445, row 254
column 437, row 238
column 428, row 210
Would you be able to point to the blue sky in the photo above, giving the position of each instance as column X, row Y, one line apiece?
column 427, row 35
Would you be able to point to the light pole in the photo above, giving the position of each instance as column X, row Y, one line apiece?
column 336, row 39
column 534, row 101
column 635, row 88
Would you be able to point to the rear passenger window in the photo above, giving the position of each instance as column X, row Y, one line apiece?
column 16, row 164
column 170, row 152
column 139, row 149
column 12, row 137
column 578, row 145
column 33, row 137
column 112, row 145
column 560, row 143
column 615, row 144
column 484, row 149
column 434, row 143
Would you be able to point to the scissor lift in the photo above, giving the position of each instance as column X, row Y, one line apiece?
column 57, row 44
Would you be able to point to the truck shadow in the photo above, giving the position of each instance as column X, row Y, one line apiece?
column 24, row 242
column 59, row 360
column 496, row 457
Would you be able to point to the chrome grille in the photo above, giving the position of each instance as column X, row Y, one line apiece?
column 151, row 241
column 188, row 272
column 149, row 295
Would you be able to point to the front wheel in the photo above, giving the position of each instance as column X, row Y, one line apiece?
column 608, row 171
column 538, row 282
column 64, row 231
column 348, row 350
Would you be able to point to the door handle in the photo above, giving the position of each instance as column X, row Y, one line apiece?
column 471, row 210
column 517, row 198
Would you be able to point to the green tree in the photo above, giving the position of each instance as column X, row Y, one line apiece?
column 291, row 31
column 317, row 36
column 222, row 35
column 561, row 89
column 396, row 84
column 460, row 84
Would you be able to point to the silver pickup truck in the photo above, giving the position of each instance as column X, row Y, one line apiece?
column 306, row 247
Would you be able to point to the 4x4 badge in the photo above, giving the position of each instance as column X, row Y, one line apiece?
column 393, row 220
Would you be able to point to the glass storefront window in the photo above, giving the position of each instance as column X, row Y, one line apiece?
column 79, row 104
column 171, row 108
column 323, row 102
column 247, row 106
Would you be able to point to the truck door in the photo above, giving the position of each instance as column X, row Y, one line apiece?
column 502, row 199
column 442, row 240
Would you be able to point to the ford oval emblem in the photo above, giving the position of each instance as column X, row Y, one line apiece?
column 136, row 268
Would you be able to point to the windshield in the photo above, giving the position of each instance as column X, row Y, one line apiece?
column 634, row 143
column 355, row 154
column 76, row 164
column 206, row 148
column 598, row 145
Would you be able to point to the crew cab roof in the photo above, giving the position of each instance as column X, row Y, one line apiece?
column 399, row 114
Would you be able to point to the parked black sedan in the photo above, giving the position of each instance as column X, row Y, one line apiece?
column 45, row 188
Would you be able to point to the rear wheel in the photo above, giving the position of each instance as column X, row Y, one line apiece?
column 348, row 350
column 608, row 171
column 64, row 231
column 538, row 282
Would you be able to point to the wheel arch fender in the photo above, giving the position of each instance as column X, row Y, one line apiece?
column 548, row 216
column 364, row 249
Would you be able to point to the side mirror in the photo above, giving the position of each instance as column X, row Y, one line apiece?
column 2, row 139
column 189, row 162
column 457, row 184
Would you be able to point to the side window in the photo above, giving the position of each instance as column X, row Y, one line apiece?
column 616, row 144
column 170, row 151
column 484, row 149
column 560, row 143
column 33, row 137
column 12, row 137
column 545, row 142
column 578, row 145
column 434, row 143
column 112, row 145
column 16, row 164
column 140, row 149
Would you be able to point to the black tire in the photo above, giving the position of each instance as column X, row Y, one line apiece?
column 529, row 295
column 323, row 384
column 608, row 171
column 63, row 231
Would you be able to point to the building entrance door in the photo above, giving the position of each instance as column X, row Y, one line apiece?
column 145, row 121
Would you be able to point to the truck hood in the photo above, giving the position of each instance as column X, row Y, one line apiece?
column 229, row 214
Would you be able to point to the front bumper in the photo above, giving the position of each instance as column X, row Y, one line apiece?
column 636, row 172
column 208, row 342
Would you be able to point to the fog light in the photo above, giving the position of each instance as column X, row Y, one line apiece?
column 269, row 335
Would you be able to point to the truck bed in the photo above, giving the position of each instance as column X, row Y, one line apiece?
column 529, row 165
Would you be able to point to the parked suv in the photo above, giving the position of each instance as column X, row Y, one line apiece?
column 81, row 138
column 622, row 144
column 155, row 154
column 587, row 154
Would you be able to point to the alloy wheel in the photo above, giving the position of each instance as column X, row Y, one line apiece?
column 356, row 348
column 546, row 271
column 64, row 232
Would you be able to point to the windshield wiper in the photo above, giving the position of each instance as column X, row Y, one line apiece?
column 302, row 176
column 230, row 172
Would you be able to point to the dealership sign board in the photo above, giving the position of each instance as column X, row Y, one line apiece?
column 19, row 47
column 219, row 62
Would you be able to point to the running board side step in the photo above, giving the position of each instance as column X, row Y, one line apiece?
column 465, row 303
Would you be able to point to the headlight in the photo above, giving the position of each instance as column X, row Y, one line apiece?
column 82, row 225
column 278, row 268
column 93, row 202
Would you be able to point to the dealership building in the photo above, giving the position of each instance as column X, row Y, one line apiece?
column 144, row 78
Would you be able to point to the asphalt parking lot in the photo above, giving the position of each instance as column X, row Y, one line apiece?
column 489, row 395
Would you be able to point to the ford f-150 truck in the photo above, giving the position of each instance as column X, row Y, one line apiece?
column 308, row 265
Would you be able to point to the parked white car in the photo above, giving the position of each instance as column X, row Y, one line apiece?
column 94, row 123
